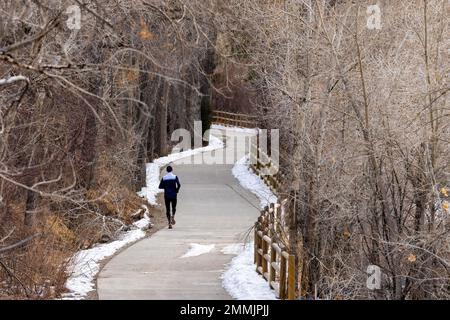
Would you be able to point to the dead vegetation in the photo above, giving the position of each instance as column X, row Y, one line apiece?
column 363, row 117
column 89, row 92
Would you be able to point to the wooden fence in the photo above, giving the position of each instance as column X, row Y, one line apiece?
column 234, row 119
column 259, row 159
column 260, row 162
column 273, row 261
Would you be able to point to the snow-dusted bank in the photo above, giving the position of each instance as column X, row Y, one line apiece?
column 240, row 279
column 85, row 264
column 253, row 182
column 242, row 282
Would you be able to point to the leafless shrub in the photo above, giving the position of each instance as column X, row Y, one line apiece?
column 364, row 137
column 82, row 109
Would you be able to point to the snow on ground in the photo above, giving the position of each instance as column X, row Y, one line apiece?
column 153, row 169
column 235, row 129
column 233, row 249
column 253, row 182
column 86, row 263
column 241, row 280
column 198, row 249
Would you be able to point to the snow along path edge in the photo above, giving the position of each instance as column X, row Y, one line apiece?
column 252, row 182
column 240, row 279
column 85, row 264
column 242, row 282
column 235, row 129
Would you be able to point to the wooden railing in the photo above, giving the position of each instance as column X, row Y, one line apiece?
column 259, row 159
column 234, row 119
column 260, row 162
column 273, row 261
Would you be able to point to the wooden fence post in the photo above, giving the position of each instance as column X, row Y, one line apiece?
column 283, row 270
column 291, row 277
column 258, row 245
column 276, row 218
column 264, row 261
column 257, row 149
column 271, row 220
column 273, row 259
column 255, row 244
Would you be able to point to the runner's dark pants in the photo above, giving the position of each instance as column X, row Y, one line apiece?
column 170, row 202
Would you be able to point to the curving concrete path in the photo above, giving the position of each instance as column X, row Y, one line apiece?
column 212, row 209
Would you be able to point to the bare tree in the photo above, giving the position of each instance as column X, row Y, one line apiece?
column 89, row 94
column 363, row 134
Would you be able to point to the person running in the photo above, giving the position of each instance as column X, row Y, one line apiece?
column 171, row 186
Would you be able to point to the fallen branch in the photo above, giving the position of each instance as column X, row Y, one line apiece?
column 19, row 244
column 7, row 236
column 12, row 275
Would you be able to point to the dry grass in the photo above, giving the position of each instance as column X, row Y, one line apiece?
column 37, row 271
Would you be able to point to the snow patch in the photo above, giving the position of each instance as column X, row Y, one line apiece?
column 86, row 263
column 198, row 249
column 233, row 249
column 242, row 282
column 235, row 129
column 253, row 182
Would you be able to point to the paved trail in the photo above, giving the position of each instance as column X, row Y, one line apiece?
column 213, row 209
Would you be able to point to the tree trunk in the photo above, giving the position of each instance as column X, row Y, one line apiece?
column 88, row 151
column 163, row 122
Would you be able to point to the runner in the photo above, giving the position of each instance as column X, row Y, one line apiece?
column 171, row 186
